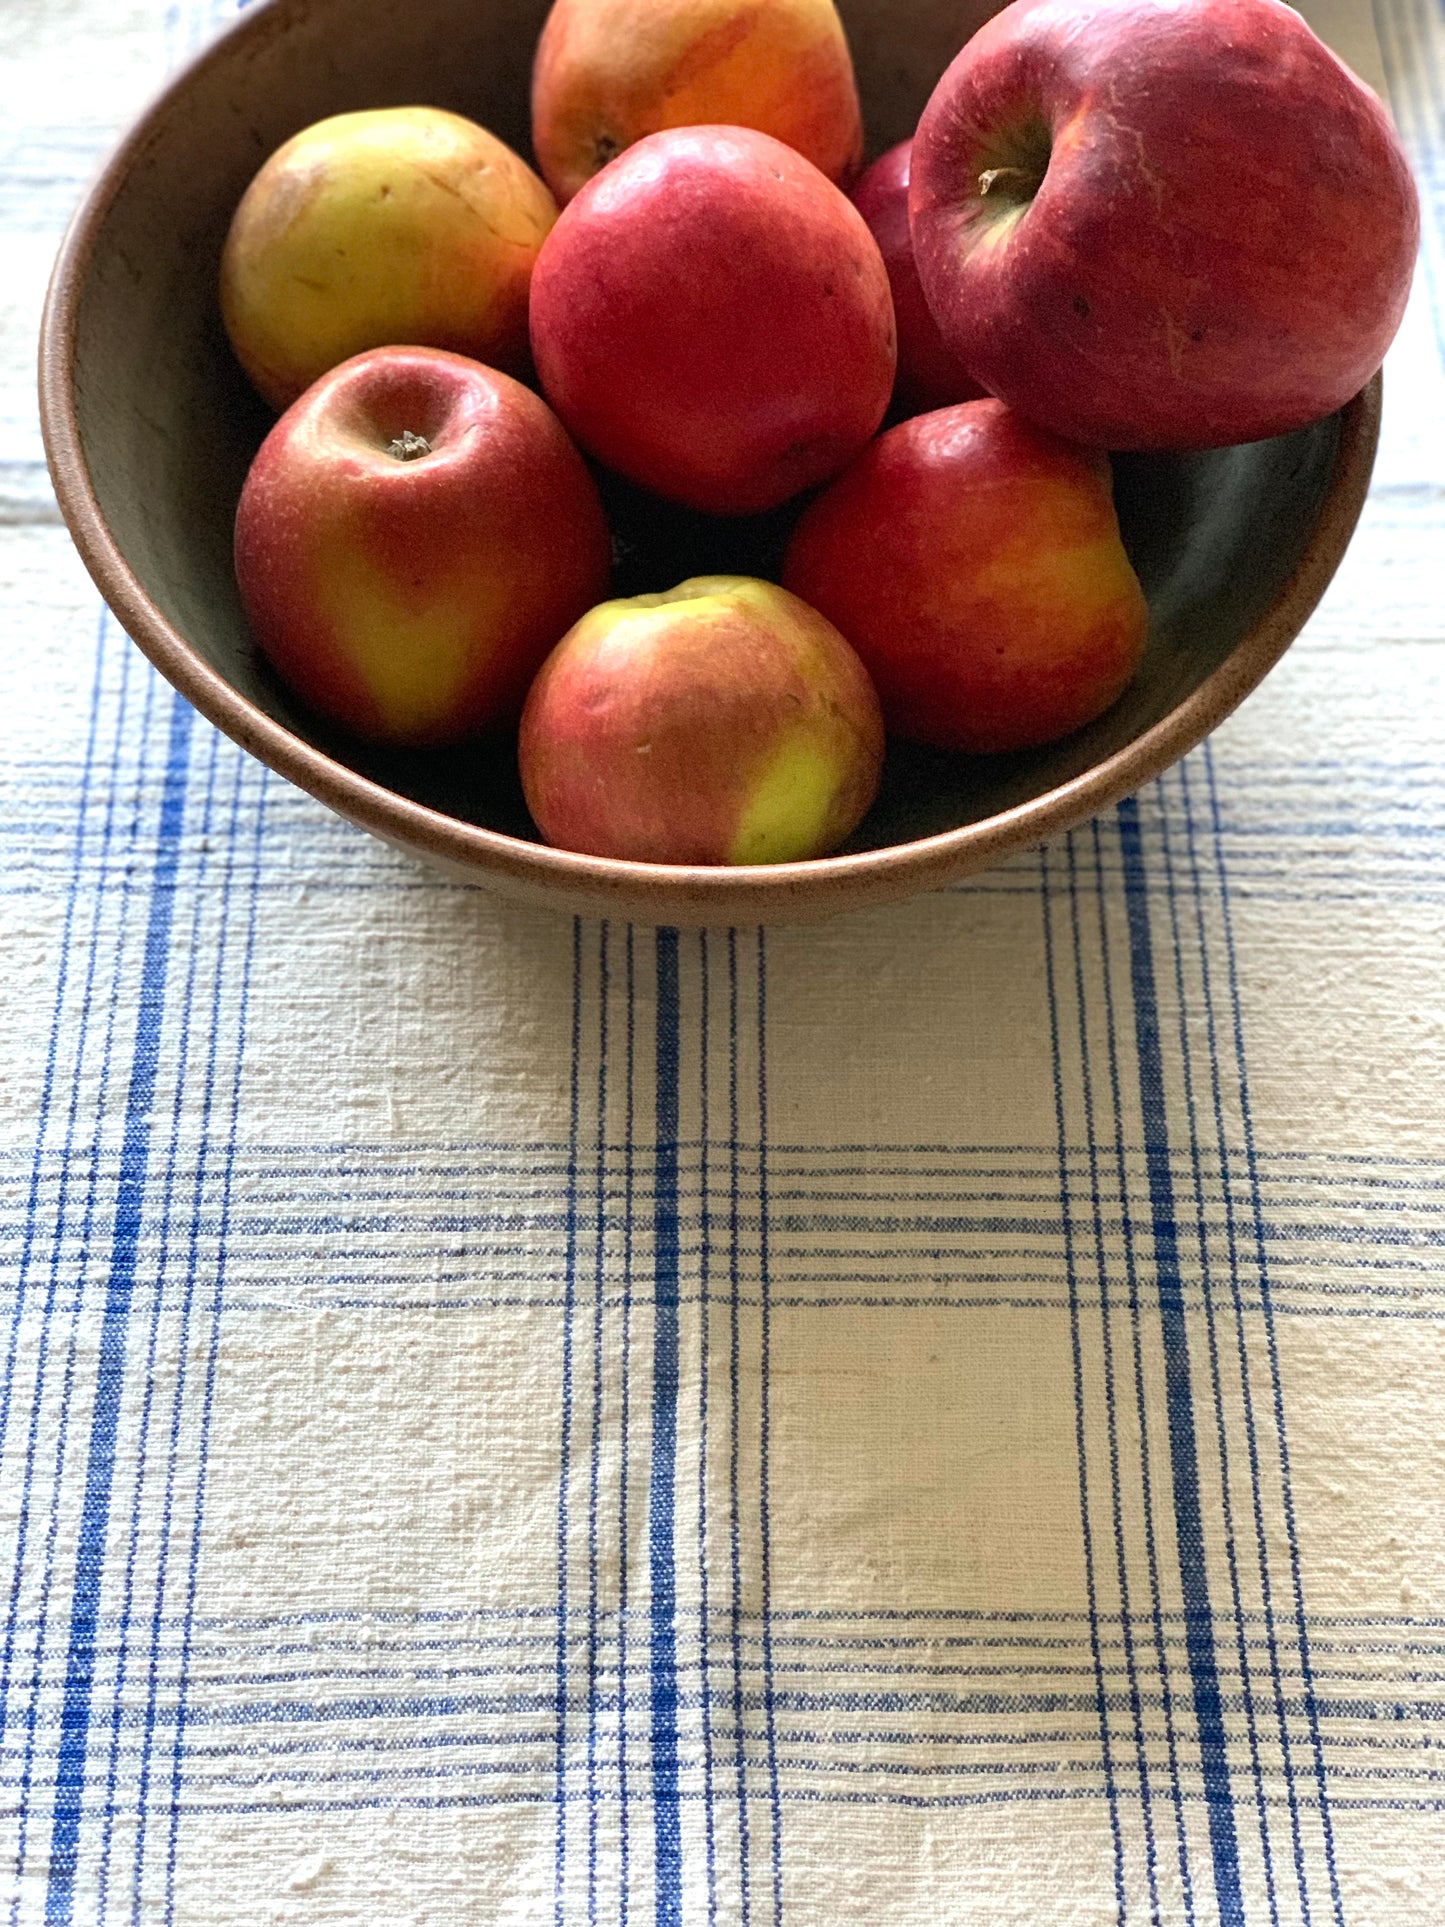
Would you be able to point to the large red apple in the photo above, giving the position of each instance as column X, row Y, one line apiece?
column 721, row 722
column 1161, row 223
column 414, row 535
column 974, row 562
column 929, row 376
column 711, row 317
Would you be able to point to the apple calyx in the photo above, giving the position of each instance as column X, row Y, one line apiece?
column 408, row 447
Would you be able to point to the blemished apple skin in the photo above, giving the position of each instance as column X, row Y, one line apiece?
column 1161, row 223
column 722, row 722
column 928, row 375
column 394, row 225
column 712, row 319
column 974, row 562
column 411, row 599
column 608, row 72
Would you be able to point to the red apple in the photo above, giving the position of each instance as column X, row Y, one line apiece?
column 1161, row 223
column 711, row 317
column 974, row 562
column 721, row 722
column 928, row 375
column 609, row 71
column 414, row 535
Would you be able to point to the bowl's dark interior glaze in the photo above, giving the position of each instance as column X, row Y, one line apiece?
column 166, row 424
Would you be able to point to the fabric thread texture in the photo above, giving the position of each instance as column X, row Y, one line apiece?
column 932, row 1421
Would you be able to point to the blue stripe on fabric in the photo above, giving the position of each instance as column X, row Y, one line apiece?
column 1111, row 1405
column 188, row 1620
column 151, row 1378
column 1141, row 1402
column 1183, row 1455
column 564, row 1466
column 594, row 1476
column 125, row 1245
column 1101, row 1705
column 735, row 1303
column 624, row 1426
column 1214, row 1349
column 704, row 1045
column 1272, row 1345
column 764, row 1375
column 662, row 1572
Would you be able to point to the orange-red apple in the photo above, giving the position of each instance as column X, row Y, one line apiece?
column 929, row 376
column 607, row 72
column 413, row 537
column 721, row 722
column 974, row 562
column 711, row 317
column 401, row 224
column 1161, row 223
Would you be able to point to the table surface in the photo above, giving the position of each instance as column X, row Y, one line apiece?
column 932, row 1419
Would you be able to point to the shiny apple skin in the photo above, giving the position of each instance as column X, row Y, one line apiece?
column 721, row 722
column 928, row 375
column 609, row 72
column 974, row 562
column 412, row 600
column 712, row 319
column 1223, row 242
column 393, row 225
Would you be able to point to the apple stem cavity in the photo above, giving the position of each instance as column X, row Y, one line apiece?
column 1016, row 168
column 408, row 447
column 991, row 176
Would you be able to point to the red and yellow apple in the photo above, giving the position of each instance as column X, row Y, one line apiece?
column 711, row 318
column 1161, row 225
column 721, row 722
column 414, row 535
column 975, row 564
column 928, row 375
column 398, row 225
column 608, row 72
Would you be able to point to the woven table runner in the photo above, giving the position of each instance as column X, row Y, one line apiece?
column 930, row 1421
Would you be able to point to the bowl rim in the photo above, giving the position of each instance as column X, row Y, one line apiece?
column 751, row 893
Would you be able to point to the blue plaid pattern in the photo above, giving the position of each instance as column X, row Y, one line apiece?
column 930, row 1419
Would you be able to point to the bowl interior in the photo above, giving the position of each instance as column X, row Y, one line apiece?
column 168, row 424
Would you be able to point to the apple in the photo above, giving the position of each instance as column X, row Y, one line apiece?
column 414, row 535
column 609, row 71
column 974, row 562
column 711, row 318
column 723, row 721
column 1161, row 223
column 928, row 375
column 397, row 225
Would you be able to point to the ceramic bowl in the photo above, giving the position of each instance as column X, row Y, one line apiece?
column 150, row 427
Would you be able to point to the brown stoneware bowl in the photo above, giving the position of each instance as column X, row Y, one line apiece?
column 150, row 427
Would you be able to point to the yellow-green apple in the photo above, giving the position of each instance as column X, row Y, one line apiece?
column 974, row 562
column 711, row 318
column 396, row 225
column 414, row 535
column 721, row 722
column 609, row 71
column 1161, row 223
column 928, row 375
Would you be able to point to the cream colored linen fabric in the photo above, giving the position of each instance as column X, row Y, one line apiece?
column 934, row 1421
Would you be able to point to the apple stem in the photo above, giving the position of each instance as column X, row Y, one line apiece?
column 408, row 447
column 991, row 177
